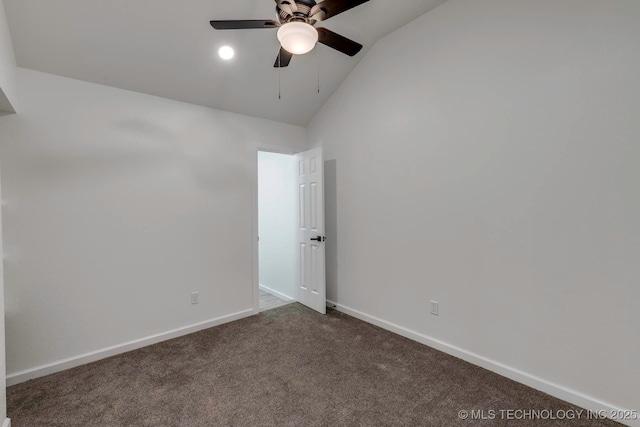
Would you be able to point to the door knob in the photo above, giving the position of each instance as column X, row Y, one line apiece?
column 319, row 239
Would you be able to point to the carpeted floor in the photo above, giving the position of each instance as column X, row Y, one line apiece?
column 285, row 367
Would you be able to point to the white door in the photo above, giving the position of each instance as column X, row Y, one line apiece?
column 310, row 278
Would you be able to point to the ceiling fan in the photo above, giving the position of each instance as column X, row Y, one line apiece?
column 296, row 31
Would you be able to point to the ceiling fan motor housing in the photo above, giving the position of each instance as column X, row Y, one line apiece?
column 301, row 11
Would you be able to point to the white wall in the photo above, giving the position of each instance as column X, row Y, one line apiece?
column 7, row 103
column 3, row 368
column 487, row 157
column 7, row 66
column 119, row 205
column 277, row 219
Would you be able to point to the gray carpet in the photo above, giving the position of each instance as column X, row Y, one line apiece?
column 285, row 367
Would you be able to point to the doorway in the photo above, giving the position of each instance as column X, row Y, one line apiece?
column 277, row 199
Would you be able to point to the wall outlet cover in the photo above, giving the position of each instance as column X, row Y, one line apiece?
column 434, row 308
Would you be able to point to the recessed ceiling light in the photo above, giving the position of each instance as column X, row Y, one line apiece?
column 226, row 52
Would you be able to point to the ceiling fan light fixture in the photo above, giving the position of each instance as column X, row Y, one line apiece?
column 297, row 37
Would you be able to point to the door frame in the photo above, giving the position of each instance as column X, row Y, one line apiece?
column 269, row 148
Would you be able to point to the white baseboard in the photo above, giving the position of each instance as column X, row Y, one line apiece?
column 72, row 362
column 274, row 292
column 556, row 390
column 7, row 422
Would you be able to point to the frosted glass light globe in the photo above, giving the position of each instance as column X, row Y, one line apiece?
column 297, row 37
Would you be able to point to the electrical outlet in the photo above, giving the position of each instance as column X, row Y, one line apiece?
column 434, row 308
column 194, row 297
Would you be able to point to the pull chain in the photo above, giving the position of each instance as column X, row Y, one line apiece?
column 279, row 74
column 318, row 56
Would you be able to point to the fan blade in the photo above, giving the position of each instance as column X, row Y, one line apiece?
column 244, row 24
column 335, row 7
column 283, row 58
column 338, row 42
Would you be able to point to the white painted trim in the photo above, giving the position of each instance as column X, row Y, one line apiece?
column 7, row 422
column 282, row 149
column 82, row 359
column 274, row 292
column 556, row 390
column 255, row 249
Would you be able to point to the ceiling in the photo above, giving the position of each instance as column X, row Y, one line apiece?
column 167, row 48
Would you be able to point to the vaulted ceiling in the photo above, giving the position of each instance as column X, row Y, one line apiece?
column 167, row 48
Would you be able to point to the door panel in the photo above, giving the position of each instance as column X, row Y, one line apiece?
column 311, row 254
